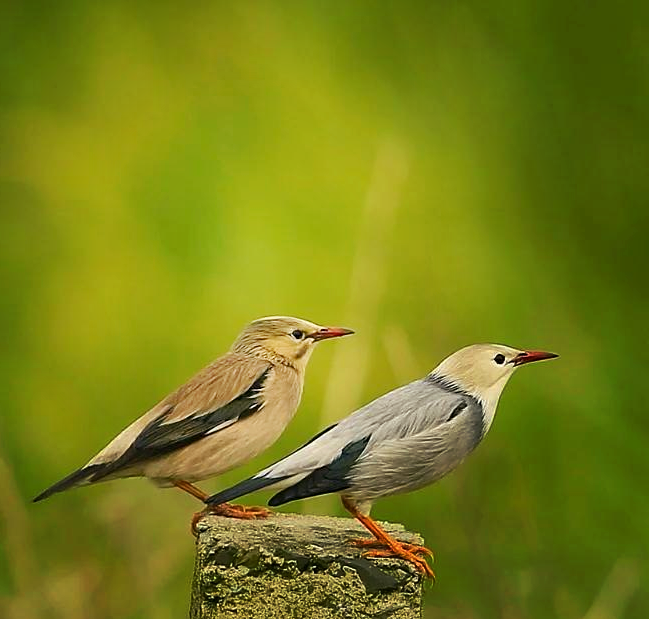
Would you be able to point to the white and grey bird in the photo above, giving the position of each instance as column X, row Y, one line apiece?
column 402, row 441
column 228, row 413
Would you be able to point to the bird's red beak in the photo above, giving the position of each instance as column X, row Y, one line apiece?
column 326, row 333
column 528, row 356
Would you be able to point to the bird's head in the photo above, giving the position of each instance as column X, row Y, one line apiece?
column 482, row 370
column 289, row 340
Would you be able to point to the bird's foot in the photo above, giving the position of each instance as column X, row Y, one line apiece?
column 247, row 512
column 228, row 510
column 374, row 543
column 196, row 518
column 402, row 550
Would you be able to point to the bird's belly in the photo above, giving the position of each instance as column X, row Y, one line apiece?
column 386, row 483
column 407, row 469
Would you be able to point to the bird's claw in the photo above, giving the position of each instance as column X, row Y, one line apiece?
column 243, row 512
column 418, row 562
column 254, row 511
column 229, row 510
column 402, row 550
column 374, row 543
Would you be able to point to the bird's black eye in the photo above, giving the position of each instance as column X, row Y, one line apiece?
column 297, row 334
column 499, row 359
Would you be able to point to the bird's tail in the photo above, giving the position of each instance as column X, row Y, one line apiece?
column 244, row 487
column 79, row 477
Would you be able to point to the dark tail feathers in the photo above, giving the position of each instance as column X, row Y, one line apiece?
column 73, row 479
column 245, row 487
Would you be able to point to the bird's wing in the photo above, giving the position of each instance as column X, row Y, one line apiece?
column 224, row 392
column 420, row 408
column 399, row 459
column 322, row 465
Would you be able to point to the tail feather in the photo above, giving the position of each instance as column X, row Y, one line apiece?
column 73, row 479
column 331, row 477
column 306, row 489
column 245, row 487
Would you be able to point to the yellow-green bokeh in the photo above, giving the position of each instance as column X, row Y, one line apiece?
column 430, row 174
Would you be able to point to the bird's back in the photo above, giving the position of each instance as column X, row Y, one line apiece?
column 403, row 440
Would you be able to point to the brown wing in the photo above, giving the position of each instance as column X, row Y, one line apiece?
column 224, row 392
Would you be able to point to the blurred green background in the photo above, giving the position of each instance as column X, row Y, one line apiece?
column 430, row 174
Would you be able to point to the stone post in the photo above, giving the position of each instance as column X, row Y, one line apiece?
column 298, row 567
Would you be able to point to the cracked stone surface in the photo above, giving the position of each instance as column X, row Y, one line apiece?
column 296, row 566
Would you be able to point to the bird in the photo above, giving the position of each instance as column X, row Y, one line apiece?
column 404, row 440
column 228, row 413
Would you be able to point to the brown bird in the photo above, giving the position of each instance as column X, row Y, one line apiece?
column 228, row 413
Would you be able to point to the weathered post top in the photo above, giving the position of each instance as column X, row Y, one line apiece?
column 297, row 566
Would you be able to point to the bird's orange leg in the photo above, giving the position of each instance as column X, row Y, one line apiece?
column 226, row 509
column 197, row 493
column 392, row 547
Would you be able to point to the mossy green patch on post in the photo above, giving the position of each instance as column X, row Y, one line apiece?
column 294, row 566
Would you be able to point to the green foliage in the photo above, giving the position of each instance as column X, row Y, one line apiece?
column 430, row 174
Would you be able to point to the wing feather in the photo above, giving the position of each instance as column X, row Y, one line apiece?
column 224, row 392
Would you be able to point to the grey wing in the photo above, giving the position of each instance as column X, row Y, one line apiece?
column 374, row 446
column 396, row 462
column 414, row 404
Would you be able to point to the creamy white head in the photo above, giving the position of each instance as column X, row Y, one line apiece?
column 285, row 339
column 482, row 370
